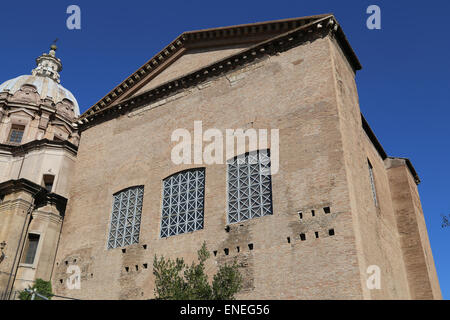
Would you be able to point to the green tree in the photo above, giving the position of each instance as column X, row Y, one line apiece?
column 174, row 280
column 42, row 287
column 445, row 221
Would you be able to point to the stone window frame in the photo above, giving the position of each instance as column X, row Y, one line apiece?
column 44, row 181
column 262, row 186
column 23, row 262
column 60, row 131
column 189, row 211
column 18, row 120
column 126, row 216
column 13, row 128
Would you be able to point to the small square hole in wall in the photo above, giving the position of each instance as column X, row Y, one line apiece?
column 145, row 265
column 289, row 239
column 137, row 267
column 215, row 253
column 317, row 234
column 238, row 249
column 302, row 236
column 124, row 250
column 74, row 260
column 331, row 232
column 327, row 210
column 92, row 275
column 250, row 246
column 61, row 280
column 127, row 269
column 226, row 251
column 144, row 246
column 300, row 214
column 66, row 262
column 313, row 213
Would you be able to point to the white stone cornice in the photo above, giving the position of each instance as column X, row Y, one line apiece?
column 32, row 115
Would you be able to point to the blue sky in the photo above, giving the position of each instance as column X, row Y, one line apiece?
column 404, row 86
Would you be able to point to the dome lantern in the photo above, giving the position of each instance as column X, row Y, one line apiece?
column 46, row 81
column 48, row 65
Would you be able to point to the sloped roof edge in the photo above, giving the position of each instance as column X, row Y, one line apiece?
column 185, row 40
column 383, row 153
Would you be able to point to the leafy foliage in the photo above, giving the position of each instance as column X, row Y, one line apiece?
column 42, row 287
column 445, row 221
column 174, row 280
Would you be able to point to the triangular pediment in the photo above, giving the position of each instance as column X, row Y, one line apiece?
column 62, row 126
column 22, row 112
column 189, row 61
column 193, row 50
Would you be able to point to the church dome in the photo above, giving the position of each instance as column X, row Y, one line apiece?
column 46, row 87
column 45, row 79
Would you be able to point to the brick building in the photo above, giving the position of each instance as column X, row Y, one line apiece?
column 337, row 205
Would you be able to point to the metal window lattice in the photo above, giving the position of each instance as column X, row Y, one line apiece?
column 183, row 201
column 249, row 187
column 126, row 217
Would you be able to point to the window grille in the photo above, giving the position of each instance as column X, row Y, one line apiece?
column 126, row 217
column 249, row 186
column 372, row 184
column 183, row 202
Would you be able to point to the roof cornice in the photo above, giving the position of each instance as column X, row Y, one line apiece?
column 383, row 153
column 322, row 26
column 19, row 150
column 41, row 195
column 200, row 38
column 18, row 185
column 373, row 138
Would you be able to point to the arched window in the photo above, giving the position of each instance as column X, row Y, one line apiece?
column 182, row 203
column 126, row 217
column 249, row 186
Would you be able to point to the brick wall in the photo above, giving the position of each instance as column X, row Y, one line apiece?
column 309, row 94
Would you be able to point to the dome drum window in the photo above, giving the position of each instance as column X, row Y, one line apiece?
column 16, row 134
